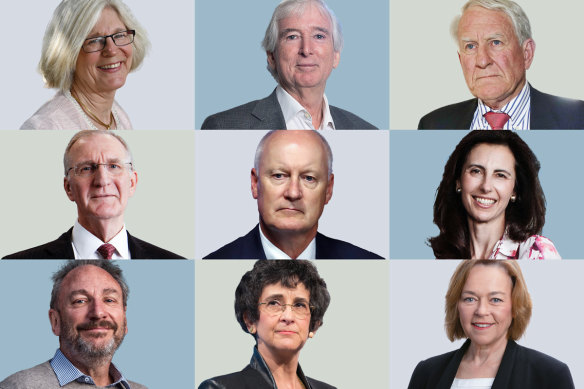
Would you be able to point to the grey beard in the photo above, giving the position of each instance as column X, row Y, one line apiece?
column 86, row 351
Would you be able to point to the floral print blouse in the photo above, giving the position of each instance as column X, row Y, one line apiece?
column 534, row 247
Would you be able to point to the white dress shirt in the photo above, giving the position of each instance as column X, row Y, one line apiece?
column 85, row 244
column 272, row 252
column 519, row 110
column 474, row 383
column 297, row 117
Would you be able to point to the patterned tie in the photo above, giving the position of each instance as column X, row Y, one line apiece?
column 496, row 119
column 106, row 250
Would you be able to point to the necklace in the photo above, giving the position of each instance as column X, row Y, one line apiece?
column 92, row 115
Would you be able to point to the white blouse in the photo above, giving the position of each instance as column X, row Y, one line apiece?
column 474, row 383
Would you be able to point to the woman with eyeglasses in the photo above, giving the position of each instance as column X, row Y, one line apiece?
column 281, row 304
column 89, row 48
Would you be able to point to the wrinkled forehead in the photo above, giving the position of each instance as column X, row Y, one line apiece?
column 294, row 147
column 97, row 146
column 306, row 15
column 88, row 278
column 477, row 19
column 291, row 292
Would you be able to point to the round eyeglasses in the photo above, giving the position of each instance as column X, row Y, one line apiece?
column 89, row 169
column 122, row 38
column 274, row 307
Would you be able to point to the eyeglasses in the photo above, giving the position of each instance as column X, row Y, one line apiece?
column 89, row 169
column 300, row 309
column 122, row 38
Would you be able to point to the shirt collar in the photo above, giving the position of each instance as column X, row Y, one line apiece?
column 273, row 252
column 294, row 112
column 85, row 244
column 518, row 109
column 66, row 372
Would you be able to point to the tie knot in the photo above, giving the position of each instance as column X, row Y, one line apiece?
column 497, row 119
column 106, row 250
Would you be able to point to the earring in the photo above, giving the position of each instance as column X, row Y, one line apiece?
column 458, row 190
column 513, row 198
column 311, row 334
column 251, row 330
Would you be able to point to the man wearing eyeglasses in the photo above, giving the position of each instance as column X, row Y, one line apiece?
column 99, row 178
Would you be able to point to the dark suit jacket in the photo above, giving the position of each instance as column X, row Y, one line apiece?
column 257, row 375
column 250, row 247
column 520, row 368
column 547, row 112
column 61, row 249
column 266, row 114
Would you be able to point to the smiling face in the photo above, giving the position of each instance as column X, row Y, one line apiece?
column 492, row 59
column 304, row 55
column 90, row 318
column 485, row 307
column 487, row 183
column 101, row 197
column 105, row 70
column 281, row 336
column 292, row 185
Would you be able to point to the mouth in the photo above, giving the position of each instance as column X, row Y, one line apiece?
column 286, row 332
column 484, row 202
column 290, row 209
column 110, row 67
column 482, row 326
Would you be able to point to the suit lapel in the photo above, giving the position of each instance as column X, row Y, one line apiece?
column 268, row 111
column 61, row 248
column 450, row 372
column 255, row 250
column 541, row 115
column 504, row 376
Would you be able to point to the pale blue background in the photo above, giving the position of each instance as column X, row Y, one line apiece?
column 417, row 160
column 230, row 65
column 158, row 350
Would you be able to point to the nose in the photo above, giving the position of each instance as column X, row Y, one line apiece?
column 306, row 47
column 96, row 310
column 293, row 190
column 101, row 176
column 483, row 56
column 110, row 46
column 287, row 314
column 482, row 309
column 486, row 184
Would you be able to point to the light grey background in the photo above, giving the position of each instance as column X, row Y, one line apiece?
column 159, row 95
column 358, row 211
column 417, row 160
column 349, row 351
column 158, row 349
column 417, row 290
column 35, row 208
column 425, row 73
column 231, row 65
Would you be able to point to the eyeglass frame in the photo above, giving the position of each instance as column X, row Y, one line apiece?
column 97, row 165
column 131, row 32
column 283, row 306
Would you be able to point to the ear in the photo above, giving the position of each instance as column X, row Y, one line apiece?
column 459, row 60
column 458, row 184
column 133, row 182
column 125, row 321
column 254, row 183
column 336, row 59
column 271, row 59
column 247, row 321
column 55, row 320
column 67, row 187
column 329, row 188
column 528, row 52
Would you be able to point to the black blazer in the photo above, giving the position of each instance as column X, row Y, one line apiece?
column 257, row 375
column 61, row 249
column 521, row 368
column 547, row 112
column 266, row 114
column 250, row 247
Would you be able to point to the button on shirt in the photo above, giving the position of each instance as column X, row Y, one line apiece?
column 519, row 109
column 66, row 373
column 297, row 117
column 85, row 244
column 272, row 252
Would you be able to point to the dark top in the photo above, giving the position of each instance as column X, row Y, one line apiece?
column 547, row 112
column 266, row 114
column 61, row 249
column 521, row 368
column 257, row 375
column 250, row 247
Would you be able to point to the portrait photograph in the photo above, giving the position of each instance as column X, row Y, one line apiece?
column 231, row 63
column 417, row 161
column 425, row 72
column 158, row 95
column 358, row 211
column 349, row 350
column 160, row 320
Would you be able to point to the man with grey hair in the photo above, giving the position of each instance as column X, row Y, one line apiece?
column 292, row 180
column 495, row 49
column 88, row 314
column 100, row 178
column 303, row 44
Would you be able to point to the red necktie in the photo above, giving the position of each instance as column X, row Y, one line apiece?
column 106, row 250
column 496, row 119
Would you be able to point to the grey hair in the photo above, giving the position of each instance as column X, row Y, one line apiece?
column 260, row 150
column 295, row 7
column 85, row 134
column 71, row 24
column 518, row 17
column 112, row 269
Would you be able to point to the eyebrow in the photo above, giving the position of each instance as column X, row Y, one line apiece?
column 86, row 292
column 482, row 167
column 490, row 293
column 90, row 162
column 100, row 34
column 281, row 297
column 289, row 30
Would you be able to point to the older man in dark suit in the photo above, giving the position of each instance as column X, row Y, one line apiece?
column 303, row 44
column 99, row 178
column 292, row 181
column 495, row 51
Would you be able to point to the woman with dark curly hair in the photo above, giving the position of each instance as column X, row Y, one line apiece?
column 490, row 204
column 281, row 304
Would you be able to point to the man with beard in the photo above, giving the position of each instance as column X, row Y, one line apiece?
column 88, row 314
